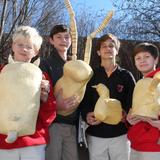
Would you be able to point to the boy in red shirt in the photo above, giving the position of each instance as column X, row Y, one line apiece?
column 26, row 44
column 145, row 135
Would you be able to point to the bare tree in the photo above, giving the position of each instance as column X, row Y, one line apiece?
column 40, row 14
column 139, row 19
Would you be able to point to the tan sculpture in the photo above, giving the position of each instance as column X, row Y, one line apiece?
column 107, row 110
column 19, row 99
column 146, row 97
column 77, row 72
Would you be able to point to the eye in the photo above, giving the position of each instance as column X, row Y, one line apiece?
column 66, row 37
column 111, row 46
column 104, row 46
column 20, row 45
column 58, row 36
column 29, row 47
column 137, row 58
column 147, row 56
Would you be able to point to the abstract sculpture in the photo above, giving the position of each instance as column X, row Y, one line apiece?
column 77, row 72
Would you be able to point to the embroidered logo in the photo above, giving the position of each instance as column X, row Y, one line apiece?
column 120, row 88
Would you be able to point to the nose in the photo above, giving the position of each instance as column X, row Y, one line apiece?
column 143, row 59
column 63, row 39
column 25, row 48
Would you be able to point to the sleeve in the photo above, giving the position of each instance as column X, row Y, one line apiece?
column 47, row 112
column 130, row 84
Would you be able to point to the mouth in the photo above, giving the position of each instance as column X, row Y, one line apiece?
column 109, row 53
column 143, row 65
column 23, row 54
column 63, row 45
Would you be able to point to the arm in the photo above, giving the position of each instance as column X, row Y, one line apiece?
column 130, row 84
column 47, row 111
column 129, row 87
column 87, row 105
column 132, row 119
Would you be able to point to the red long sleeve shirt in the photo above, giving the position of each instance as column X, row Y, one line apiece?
column 143, row 136
column 46, row 116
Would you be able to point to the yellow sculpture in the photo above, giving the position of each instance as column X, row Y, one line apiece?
column 107, row 110
column 146, row 97
column 77, row 72
column 19, row 99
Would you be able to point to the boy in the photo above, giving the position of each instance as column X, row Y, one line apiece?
column 107, row 141
column 26, row 44
column 146, row 58
column 63, row 144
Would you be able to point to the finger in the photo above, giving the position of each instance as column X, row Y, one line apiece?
column 43, row 77
column 96, row 122
column 44, row 96
column 45, row 86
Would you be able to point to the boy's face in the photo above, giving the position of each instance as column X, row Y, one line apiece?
column 145, row 62
column 107, row 50
column 23, row 50
column 61, row 41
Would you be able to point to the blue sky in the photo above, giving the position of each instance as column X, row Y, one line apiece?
column 92, row 4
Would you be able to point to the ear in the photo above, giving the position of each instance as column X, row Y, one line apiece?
column 37, row 62
column 156, row 61
column 13, row 46
column 10, row 59
column 51, row 41
column 98, row 52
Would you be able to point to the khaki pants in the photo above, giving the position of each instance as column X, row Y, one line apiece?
column 63, row 143
column 135, row 155
column 26, row 153
column 108, row 148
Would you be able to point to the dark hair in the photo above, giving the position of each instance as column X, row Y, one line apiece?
column 58, row 28
column 108, row 36
column 146, row 47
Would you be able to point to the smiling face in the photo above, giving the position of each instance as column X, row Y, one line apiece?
column 145, row 62
column 23, row 49
column 108, row 50
column 61, row 41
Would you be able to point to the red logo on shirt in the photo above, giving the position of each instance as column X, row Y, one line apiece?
column 120, row 88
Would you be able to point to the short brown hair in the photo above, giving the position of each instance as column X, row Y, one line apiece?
column 108, row 36
column 58, row 28
column 146, row 47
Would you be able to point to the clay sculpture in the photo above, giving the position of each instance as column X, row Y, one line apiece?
column 107, row 110
column 19, row 99
column 146, row 97
column 76, row 73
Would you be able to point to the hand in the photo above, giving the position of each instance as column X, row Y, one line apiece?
column 124, row 115
column 154, row 123
column 133, row 119
column 91, row 119
column 45, row 89
column 66, row 103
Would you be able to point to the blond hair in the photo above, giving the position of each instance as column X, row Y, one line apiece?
column 29, row 33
